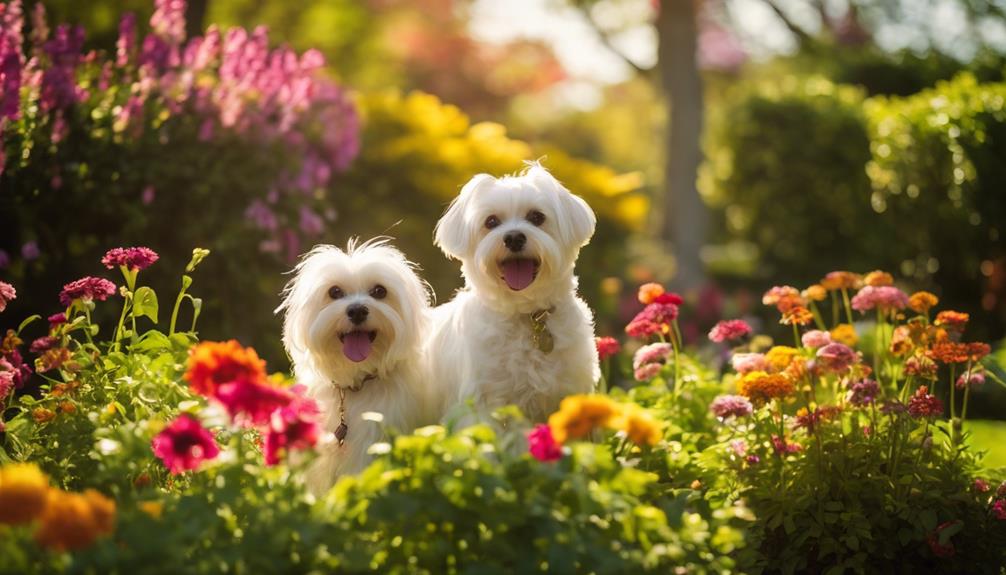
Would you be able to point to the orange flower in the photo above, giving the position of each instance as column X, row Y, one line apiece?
column 761, row 387
column 42, row 415
column 24, row 490
column 878, row 278
column 845, row 333
column 648, row 292
column 214, row 363
column 74, row 521
column 578, row 415
column 949, row 352
column 67, row 407
column 639, row 425
column 152, row 508
column 841, row 280
column 10, row 342
column 783, row 298
column 952, row 320
column 901, row 341
column 797, row 315
column 922, row 301
column 780, row 356
column 815, row 292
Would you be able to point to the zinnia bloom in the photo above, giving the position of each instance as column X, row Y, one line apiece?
column 86, row 289
column 949, row 352
column 922, row 404
column 810, row 420
column 652, row 353
column 815, row 338
column 783, row 447
column 648, row 292
column 845, row 333
column 294, row 426
column 185, row 444
column 137, row 258
column 836, row 357
column 726, row 406
column 56, row 319
column 999, row 509
column 24, row 490
column 796, row 315
column 647, row 372
column 972, row 379
column 74, row 521
column 921, row 366
column 542, row 445
column 783, row 298
column 922, row 301
column 761, row 387
column 862, row 392
column 655, row 319
column 729, row 330
column 252, row 402
column 815, row 292
column 669, row 298
column 884, row 298
column 748, row 362
column 878, row 278
column 952, row 320
column 7, row 294
column 214, row 363
column 981, row 486
column 606, row 347
column 841, row 280
column 780, row 356
column 639, row 425
column 578, row 415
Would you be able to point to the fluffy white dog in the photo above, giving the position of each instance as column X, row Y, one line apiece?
column 516, row 333
column 353, row 325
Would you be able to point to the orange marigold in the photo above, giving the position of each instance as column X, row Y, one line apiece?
column 952, row 320
column 841, row 280
column 922, row 301
column 815, row 292
column 578, row 415
column 214, row 363
column 949, row 352
column 845, row 333
column 878, row 278
column 797, row 315
column 761, row 387
column 648, row 292
column 73, row 520
column 780, row 356
column 24, row 490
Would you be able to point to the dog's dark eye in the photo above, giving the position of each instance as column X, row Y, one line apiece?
column 535, row 217
column 378, row 292
column 492, row 222
column 335, row 292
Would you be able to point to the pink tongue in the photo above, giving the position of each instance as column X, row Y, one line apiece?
column 518, row 274
column 356, row 345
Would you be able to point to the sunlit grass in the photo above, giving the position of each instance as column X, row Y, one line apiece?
column 989, row 436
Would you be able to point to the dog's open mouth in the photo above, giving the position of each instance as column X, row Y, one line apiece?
column 518, row 273
column 356, row 344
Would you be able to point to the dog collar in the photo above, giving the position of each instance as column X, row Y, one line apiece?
column 540, row 334
column 343, row 429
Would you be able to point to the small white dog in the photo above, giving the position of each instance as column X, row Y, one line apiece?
column 516, row 333
column 353, row 325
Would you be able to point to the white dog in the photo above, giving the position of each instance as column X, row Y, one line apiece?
column 516, row 333
column 353, row 325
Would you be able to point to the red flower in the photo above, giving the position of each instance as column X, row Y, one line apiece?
column 89, row 288
column 922, row 404
column 655, row 318
column 184, row 444
column 214, row 363
column 251, row 402
column 999, row 509
column 132, row 258
column 542, row 445
column 294, row 426
column 57, row 319
column 669, row 298
column 946, row 548
column 783, row 447
column 606, row 347
column 728, row 330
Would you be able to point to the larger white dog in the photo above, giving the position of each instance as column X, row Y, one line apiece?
column 353, row 325
column 516, row 333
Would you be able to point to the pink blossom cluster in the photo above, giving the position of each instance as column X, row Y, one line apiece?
column 650, row 359
column 136, row 258
column 542, row 445
column 748, row 362
column 729, row 330
column 656, row 318
column 726, row 406
column 883, row 298
column 87, row 289
column 836, row 357
column 863, row 392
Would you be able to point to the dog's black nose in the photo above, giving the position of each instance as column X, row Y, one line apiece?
column 514, row 241
column 357, row 313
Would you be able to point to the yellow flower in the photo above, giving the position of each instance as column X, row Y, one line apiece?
column 578, row 415
column 815, row 292
column 152, row 508
column 639, row 425
column 841, row 280
column 845, row 333
column 878, row 278
column 74, row 520
column 23, row 492
column 922, row 301
column 761, row 387
column 648, row 292
column 780, row 356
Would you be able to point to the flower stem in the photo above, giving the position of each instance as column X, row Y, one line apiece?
column 847, row 305
column 178, row 304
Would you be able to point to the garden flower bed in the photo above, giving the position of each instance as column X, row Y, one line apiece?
column 136, row 447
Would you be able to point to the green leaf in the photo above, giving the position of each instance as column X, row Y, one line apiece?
column 145, row 303
column 28, row 320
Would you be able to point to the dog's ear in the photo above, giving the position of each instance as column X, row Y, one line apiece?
column 453, row 234
column 296, row 295
column 576, row 221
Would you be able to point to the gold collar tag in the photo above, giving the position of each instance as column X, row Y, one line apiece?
column 540, row 334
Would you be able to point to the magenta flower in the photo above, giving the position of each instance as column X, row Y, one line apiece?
column 923, row 404
column 252, row 403
column 748, row 362
column 815, row 338
column 862, row 392
column 42, row 344
column 652, row 353
column 783, row 447
column 294, row 426
column 56, row 319
column 606, row 347
column 6, row 385
column 647, row 372
column 729, row 330
column 726, row 406
column 542, row 445
column 971, row 379
column 136, row 258
column 7, row 294
column 87, row 289
column 999, row 510
column 836, row 357
column 884, row 298
column 184, row 445
column 655, row 318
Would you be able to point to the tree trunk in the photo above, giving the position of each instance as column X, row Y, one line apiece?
column 685, row 217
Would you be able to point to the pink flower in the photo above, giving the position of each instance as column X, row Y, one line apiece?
column 863, row 392
column 836, row 357
column 652, row 353
column 999, row 509
column 606, row 347
column 647, row 372
column 136, row 258
column 6, row 385
column 748, row 362
column 972, row 379
column 251, row 403
column 729, row 330
column 739, row 447
column 542, row 445
column 42, row 344
column 184, row 444
column 89, row 288
column 981, row 486
column 726, row 406
column 294, row 426
column 783, row 447
column 815, row 338
column 884, row 298
column 655, row 318
column 56, row 318
column 922, row 404
column 7, row 294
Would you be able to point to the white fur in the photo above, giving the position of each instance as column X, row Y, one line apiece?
column 311, row 331
column 481, row 348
